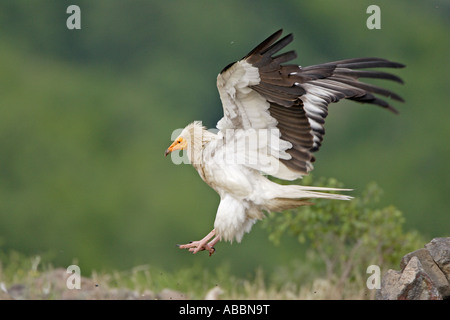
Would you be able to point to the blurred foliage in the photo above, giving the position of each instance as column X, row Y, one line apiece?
column 347, row 236
column 85, row 116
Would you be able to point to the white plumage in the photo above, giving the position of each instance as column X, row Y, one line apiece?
column 273, row 122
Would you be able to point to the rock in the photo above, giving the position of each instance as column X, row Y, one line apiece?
column 122, row 294
column 147, row 295
column 18, row 291
column 439, row 249
column 425, row 274
column 169, row 294
column 411, row 284
column 5, row 296
column 390, row 289
column 214, row 293
column 431, row 269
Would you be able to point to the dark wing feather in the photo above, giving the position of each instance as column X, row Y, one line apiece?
column 299, row 97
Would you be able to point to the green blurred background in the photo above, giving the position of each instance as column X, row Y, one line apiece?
column 85, row 117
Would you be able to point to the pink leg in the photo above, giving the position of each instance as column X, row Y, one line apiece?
column 204, row 244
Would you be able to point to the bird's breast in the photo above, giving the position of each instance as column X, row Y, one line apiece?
column 233, row 179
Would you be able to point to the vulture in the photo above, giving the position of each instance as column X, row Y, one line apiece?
column 272, row 124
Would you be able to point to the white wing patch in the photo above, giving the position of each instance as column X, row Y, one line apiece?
column 243, row 107
column 315, row 104
column 250, row 133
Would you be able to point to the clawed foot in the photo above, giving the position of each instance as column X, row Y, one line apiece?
column 204, row 244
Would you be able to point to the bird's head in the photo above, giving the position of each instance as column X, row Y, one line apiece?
column 180, row 143
column 192, row 139
column 192, row 133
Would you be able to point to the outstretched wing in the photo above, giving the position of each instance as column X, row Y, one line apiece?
column 260, row 91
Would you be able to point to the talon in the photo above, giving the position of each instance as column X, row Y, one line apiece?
column 196, row 246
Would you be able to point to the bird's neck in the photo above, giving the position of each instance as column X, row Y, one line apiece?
column 200, row 137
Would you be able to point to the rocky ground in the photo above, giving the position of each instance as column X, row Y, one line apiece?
column 53, row 285
column 424, row 275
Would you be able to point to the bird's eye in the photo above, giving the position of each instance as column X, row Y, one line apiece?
column 179, row 141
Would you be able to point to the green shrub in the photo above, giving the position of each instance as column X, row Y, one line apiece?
column 347, row 236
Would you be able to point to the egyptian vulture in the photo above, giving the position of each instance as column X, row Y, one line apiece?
column 274, row 115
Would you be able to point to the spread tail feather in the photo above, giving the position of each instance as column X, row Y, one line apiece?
column 307, row 192
column 293, row 196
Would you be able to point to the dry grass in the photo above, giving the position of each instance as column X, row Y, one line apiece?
column 25, row 278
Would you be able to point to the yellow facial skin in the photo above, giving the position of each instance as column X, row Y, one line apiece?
column 178, row 144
